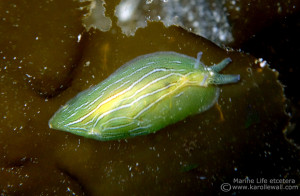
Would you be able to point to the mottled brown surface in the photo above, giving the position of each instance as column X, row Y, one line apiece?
column 241, row 136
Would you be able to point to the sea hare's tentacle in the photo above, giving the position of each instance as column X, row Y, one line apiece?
column 223, row 79
column 218, row 67
column 197, row 63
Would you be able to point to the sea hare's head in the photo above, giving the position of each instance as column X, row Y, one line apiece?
column 215, row 78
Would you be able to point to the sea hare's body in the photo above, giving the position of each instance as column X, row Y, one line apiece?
column 143, row 96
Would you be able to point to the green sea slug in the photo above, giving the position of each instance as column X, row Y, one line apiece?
column 143, row 96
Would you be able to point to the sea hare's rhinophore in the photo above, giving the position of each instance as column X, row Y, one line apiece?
column 143, row 96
